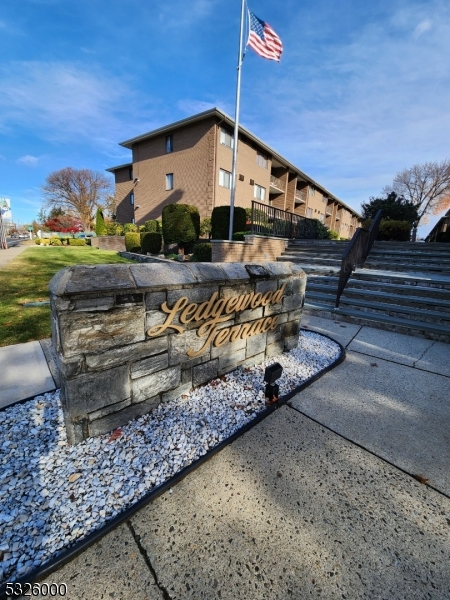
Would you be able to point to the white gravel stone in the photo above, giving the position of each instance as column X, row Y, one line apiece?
column 43, row 512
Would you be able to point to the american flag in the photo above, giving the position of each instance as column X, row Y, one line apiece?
column 263, row 39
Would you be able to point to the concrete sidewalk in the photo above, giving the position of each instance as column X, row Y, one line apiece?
column 318, row 500
column 11, row 252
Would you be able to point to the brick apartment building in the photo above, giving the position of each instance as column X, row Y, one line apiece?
column 190, row 162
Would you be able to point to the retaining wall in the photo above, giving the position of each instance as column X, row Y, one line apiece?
column 254, row 248
column 128, row 337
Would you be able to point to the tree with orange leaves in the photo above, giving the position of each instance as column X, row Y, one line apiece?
column 426, row 186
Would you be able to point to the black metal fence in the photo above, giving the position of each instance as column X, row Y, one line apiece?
column 268, row 220
column 356, row 253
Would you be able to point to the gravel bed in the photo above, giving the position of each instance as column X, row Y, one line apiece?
column 53, row 494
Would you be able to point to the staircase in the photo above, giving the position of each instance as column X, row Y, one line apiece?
column 403, row 287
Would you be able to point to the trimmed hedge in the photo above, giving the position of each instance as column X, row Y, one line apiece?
column 152, row 226
column 130, row 228
column 77, row 242
column 114, row 228
column 398, row 231
column 133, row 241
column 202, row 252
column 56, row 242
column 37, row 241
column 239, row 236
column 100, row 225
column 220, row 221
column 151, row 242
column 180, row 224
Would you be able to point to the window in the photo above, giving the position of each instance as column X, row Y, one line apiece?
column 226, row 139
column 130, row 173
column 312, row 190
column 259, row 192
column 132, row 220
column 321, row 218
column 169, row 143
column 261, row 160
column 225, row 179
column 132, row 198
column 324, row 199
column 309, row 212
column 169, row 181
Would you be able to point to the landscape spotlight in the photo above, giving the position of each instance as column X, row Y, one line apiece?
column 271, row 374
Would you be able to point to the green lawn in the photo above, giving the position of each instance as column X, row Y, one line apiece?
column 26, row 279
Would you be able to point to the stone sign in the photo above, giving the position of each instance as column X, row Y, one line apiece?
column 128, row 337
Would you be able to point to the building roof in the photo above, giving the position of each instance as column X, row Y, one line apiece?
column 112, row 169
column 224, row 118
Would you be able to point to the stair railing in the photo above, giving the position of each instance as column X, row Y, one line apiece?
column 356, row 253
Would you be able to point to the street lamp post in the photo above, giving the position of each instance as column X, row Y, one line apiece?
column 3, row 243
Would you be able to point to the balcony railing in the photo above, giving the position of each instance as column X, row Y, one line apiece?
column 277, row 183
column 329, row 211
column 300, row 195
column 268, row 220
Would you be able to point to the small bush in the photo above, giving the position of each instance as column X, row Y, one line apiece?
column 132, row 241
column 56, row 242
column 114, row 228
column 45, row 242
column 333, row 235
column 220, row 221
column 398, row 231
column 180, row 224
column 205, row 227
column 37, row 241
column 100, row 225
column 152, row 226
column 130, row 228
column 77, row 242
column 239, row 236
column 202, row 253
column 151, row 242
column 171, row 255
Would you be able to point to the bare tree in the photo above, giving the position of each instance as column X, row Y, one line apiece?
column 426, row 186
column 78, row 192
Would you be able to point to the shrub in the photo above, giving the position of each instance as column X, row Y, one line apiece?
column 398, row 231
column 151, row 241
column 65, row 240
column 130, row 228
column 100, row 225
column 333, row 235
column 220, row 221
column 45, row 242
column 180, row 224
column 152, row 226
column 77, row 242
column 205, row 227
column 239, row 236
column 113, row 228
column 132, row 241
column 37, row 241
column 56, row 242
column 171, row 255
column 202, row 252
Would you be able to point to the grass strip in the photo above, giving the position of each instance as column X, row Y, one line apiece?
column 26, row 278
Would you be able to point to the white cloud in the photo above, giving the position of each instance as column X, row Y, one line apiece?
column 66, row 102
column 422, row 27
column 28, row 160
column 182, row 15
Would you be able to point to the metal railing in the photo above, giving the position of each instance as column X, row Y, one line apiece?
column 356, row 253
column 268, row 220
column 300, row 195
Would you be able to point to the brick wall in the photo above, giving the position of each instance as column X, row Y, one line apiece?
column 255, row 248
column 109, row 242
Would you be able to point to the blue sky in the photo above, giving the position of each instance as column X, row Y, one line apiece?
column 362, row 90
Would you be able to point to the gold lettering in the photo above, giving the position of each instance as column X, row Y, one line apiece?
column 274, row 322
column 203, row 311
column 234, row 333
column 244, row 302
column 217, row 308
column 278, row 296
column 191, row 352
column 222, row 337
column 245, row 331
column 267, row 324
column 256, row 300
column 179, row 304
column 267, row 298
column 188, row 313
column 256, row 327
column 231, row 304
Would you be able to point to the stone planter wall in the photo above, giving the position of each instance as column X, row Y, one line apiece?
column 128, row 337
column 109, row 242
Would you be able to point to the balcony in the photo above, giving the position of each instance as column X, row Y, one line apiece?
column 329, row 211
column 300, row 196
column 338, row 215
column 277, row 185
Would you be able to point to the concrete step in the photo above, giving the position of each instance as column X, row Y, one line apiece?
column 424, row 279
column 382, row 321
column 324, row 284
column 413, row 301
column 412, row 267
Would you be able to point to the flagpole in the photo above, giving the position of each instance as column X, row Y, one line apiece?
column 236, row 121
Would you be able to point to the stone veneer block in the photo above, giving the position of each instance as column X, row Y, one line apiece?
column 120, row 354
